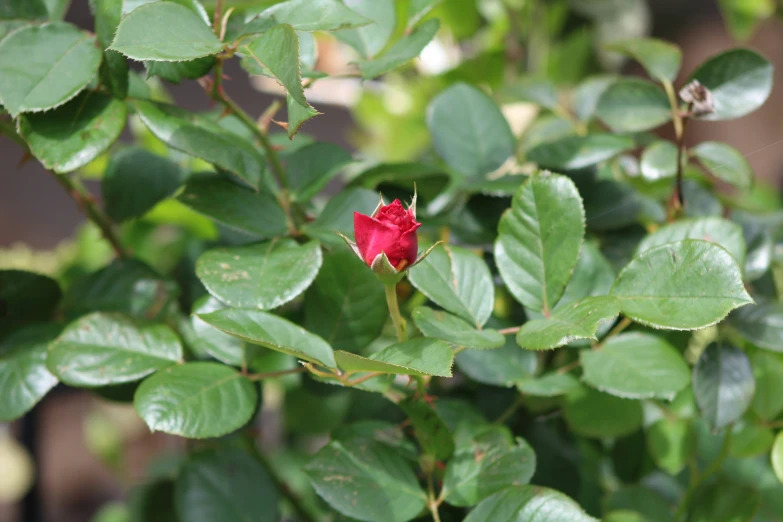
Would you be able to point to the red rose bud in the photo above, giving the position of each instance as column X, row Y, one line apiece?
column 391, row 230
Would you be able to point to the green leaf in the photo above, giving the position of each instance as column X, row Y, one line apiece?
column 768, row 373
column 636, row 366
column 685, row 285
column 632, row 105
column 174, row 72
column 313, row 166
column 471, row 476
column 136, row 180
column 345, row 305
column 740, row 81
column 370, row 39
column 588, row 93
column 659, row 160
column 255, row 213
column 671, row 442
column 528, row 503
column 24, row 379
column 223, row 347
column 776, row 456
column 201, row 137
column 577, row 321
column 59, row 61
column 114, row 69
column 578, row 152
column 278, row 51
column 27, row 296
column 474, row 140
column 723, row 384
column 337, row 216
column 404, row 50
column 23, row 9
column 307, row 15
column 226, row 484
column 549, row 385
column 539, row 240
column 724, row 501
column 458, row 280
column 533, row 90
column 366, row 480
column 593, row 276
column 761, row 324
column 661, row 59
column 420, row 356
column 419, row 9
column 273, row 332
column 297, row 115
column 714, row 229
column 101, row 349
column 648, row 502
column 431, row 431
column 196, row 400
column 725, row 162
column 164, row 31
column 499, row 367
column 262, row 275
column 749, row 439
column 453, row 330
column 595, row 414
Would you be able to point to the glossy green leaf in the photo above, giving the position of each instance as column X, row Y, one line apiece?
column 740, row 81
column 430, row 429
column 659, row 160
column 201, row 137
column 777, row 456
column 366, row 480
column 724, row 162
column 404, row 50
column 636, row 366
column 24, row 378
column 577, row 321
column 27, row 296
column 714, row 229
column 255, row 213
column 578, row 152
column 164, row 31
column 59, row 61
column 454, row 330
column 273, row 332
column 114, row 69
column 661, row 59
column 671, row 442
column 420, row 356
column 474, row 140
column 761, row 324
column 528, row 503
column 307, row 15
column 724, row 502
column 549, row 385
column 100, row 349
column 768, row 373
column 723, row 384
column 681, row 286
column 337, row 216
column 472, row 476
column 632, row 105
column 345, row 305
column 262, row 275
column 313, row 166
column 370, row 39
column 196, row 400
column 502, row 366
column 223, row 347
column 539, row 240
column 595, row 414
column 136, row 180
column 226, row 484
column 175, row 72
column 458, row 280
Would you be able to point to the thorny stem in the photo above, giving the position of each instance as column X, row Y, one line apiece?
column 680, row 122
column 394, row 311
column 217, row 18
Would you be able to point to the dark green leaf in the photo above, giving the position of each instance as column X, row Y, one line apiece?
column 714, row 229
column 723, row 384
column 59, row 61
column 593, row 276
column 114, row 69
column 659, row 160
column 671, row 442
column 22, row 9
column 632, row 105
column 661, row 59
column 724, row 502
column 176, row 71
column 578, row 152
column 528, row 503
column 100, row 349
column 311, row 167
column 595, row 414
column 724, row 162
column 307, row 15
column 337, row 216
column 420, row 356
column 262, row 275
column 431, row 431
column 453, row 330
column 402, row 51
column 580, row 320
column 549, row 385
column 762, row 325
column 27, row 296
column 499, row 367
column 768, row 373
column 370, row 39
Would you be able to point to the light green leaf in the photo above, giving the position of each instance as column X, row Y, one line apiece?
column 44, row 66
column 136, row 180
column 420, row 356
column 636, row 366
column 474, row 140
column 659, row 160
column 406, row 49
column 273, row 332
column 312, row 167
column 588, row 93
column 776, row 456
column 714, row 229
column 196, row 400
column 370, row 39
column 27, row 296
column 632, row 105
column 164, row 31
column 768, row 373
column 528, row 504
column 549, row 385
column 307, row 15
column 578, row 152
column 418, row 9
column 723, row 384
column 724, row 162
column 539, row 240
column 223, row 347
column 595, row 414
column 366, row 480
column 740, row 81
column 533, row 90
column 114, row 69
column 24, row 379
column 262, row 275
column 671, row 442
column 685, row 285
column 297, row 115
column 661, row 59
column 453, row 330
column 458, row 280
column 100, row 349
column 201, row 137
column 750, row 439
column 255, row 213
column 580, row 320
column 499, row 367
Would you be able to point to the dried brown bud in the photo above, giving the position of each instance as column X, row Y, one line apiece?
column 698, row 97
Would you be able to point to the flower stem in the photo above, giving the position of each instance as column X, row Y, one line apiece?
column 394, row 311
column 682, row 509
column 432, row 501
column 270, row 375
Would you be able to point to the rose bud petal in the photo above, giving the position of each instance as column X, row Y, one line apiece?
column 392, row 230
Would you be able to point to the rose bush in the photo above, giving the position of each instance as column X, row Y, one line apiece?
column 577, row 317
